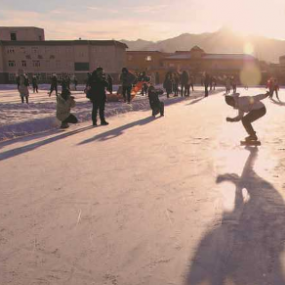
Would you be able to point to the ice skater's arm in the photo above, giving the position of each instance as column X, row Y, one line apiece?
column 237, row 118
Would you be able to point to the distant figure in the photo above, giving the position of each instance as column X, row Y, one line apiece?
column 155, row 104
column 68, row 81
column 191, row 82
column 110, row 83
column 168, row 84
column 214, row 82
column 176, row 84
column 184, row 78
column 228, row 84
column 35, row 84
column 64, row 104
column 251, row 105
column 98, row 85
column 206, row 83
column 54, row 85
column 75, row 82
column 23, row 86
column 275, row 88
column 234, row 84
column 128, row 80
column 144, row 78
column 211, row 82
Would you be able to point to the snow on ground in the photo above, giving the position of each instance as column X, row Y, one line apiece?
column 143, row 201
column 18, row 119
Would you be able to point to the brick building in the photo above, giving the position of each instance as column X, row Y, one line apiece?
column 36, row 56
column 196, row 62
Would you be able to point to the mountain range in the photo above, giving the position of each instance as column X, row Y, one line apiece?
column 224, row 40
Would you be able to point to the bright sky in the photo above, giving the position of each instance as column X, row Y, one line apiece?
column 146, row 19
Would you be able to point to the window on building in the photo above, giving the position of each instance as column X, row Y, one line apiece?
column 11, row 63
column 35, row 49
column 40, row 38
column 81, row 66
column 10, row 50
column 148, row 58
column 40, row 57
column 28, row 56
column 36, row 63
column 13, row 36
column 52, row 57
column 24, row 63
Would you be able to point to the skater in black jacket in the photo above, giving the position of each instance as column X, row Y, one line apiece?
column 155, row 104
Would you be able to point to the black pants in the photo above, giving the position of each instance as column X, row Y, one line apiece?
column 53, row 88
column 127, row 93
column 23, row 99
column 251, row 117
column 101, row 106
column 70, row 119
column 35, row 88
column 157, row 108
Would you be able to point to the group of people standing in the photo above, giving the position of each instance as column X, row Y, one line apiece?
column 172, row 81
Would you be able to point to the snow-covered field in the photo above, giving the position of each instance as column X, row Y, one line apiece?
column 173, row 200
column 18, row 119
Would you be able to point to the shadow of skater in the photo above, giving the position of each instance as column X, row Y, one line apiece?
column 280, row 103
column 245, row 248
column 118, row 131
column 17, row 151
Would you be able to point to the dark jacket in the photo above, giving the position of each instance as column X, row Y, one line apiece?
column 98, row 89
column 54, row 81
column 26, row 80
column 127, row 79
column 153, row 98
column 184, row 78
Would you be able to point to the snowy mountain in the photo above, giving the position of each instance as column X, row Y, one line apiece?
column 222, row 41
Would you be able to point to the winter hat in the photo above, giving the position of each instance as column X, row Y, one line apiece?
column 230, row 100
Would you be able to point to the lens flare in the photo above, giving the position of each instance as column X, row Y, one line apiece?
column 248, row 48
column 250, row 75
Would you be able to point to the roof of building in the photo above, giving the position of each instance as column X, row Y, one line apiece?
column 144, row 51
column 64, row 43
column 213, row 56
column 196, row 48
column 20, row 27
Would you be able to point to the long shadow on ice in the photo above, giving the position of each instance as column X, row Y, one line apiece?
column 20, row 150
column 246, row 248
column 118, row 131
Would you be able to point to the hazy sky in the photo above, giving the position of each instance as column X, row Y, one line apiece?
column 147, row 19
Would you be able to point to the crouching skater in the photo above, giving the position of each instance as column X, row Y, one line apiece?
column 64, row 104
column 155, row 104
column 252, row 106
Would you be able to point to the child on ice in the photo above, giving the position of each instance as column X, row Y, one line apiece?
column 155, row 104
column 64, row 104
column 254, row 108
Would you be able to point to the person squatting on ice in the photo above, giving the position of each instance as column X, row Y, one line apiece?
column 63, row 107
column 97, row 94
column 251, row 105
column 154, row 102
column 23, row 86
column 127, row 79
